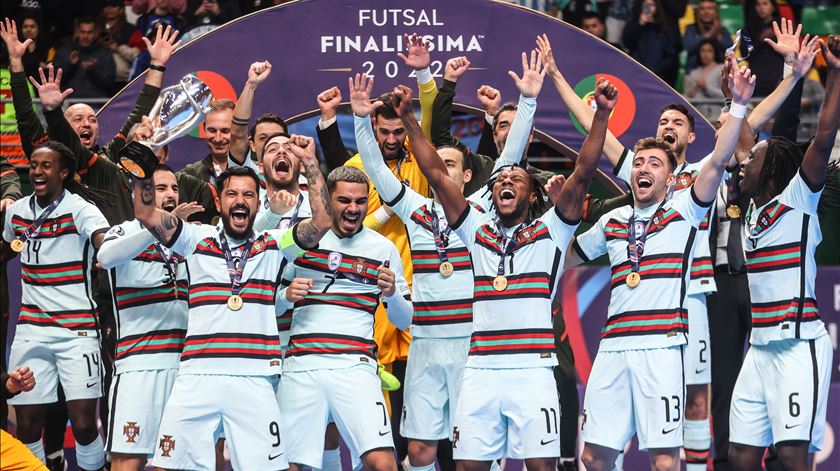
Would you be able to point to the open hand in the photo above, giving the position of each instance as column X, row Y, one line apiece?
column 806, row 55
column 360, row 89
column 418, row 57
column 49, row 89
column 533, row 73
column 547, row 56
column 741, row 83
column 9, row 34
column 281, row 201
column 185, row 210
column 787, row 40
column 161, row 50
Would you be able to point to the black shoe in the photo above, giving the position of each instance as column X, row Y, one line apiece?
column 56, row 464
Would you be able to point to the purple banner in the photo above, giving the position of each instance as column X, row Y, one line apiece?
column 314, row 45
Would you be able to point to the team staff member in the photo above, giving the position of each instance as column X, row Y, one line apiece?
column 56, row 230
column 782, row 390
column 150, row 289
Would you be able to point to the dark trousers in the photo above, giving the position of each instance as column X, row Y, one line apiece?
column 729, row 329
column 564, row 377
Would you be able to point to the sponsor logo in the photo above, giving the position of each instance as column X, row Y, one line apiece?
column 665, row 432
column 90, row 385
column 166, row 445
column 697, row 372
column 334, row 261
column 382, row 434
column 546, row 442
column 131, row 430
column 272, row 457
column 624, row 112
column 788, row 426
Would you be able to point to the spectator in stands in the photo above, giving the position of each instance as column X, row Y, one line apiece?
column 88, row 67
column 217, row 132
column 141, row 7
column 205, row 15
column 120, row 37
column 593, row 24
column 651, row 40
column 573, row 11
column 619, row 13
column 705, row 79
column 166, row 12
column 39, row 51
column 707, row 25
column 765, row 63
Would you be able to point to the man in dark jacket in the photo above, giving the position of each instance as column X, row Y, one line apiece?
column 89, row 67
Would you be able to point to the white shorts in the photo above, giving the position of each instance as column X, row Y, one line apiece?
column 353, row 396
column 698, row 359
column 513, row 413
column 244, row 407
column 635, row 391
column 74, row 362
column 137, row 400
column 432, row 382
column 781, row 393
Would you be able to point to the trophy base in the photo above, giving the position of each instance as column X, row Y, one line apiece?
column 139, row 160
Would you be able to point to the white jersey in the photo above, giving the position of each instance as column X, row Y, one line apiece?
column 332, row 327
column 512, row 328
column 266, row 219
column 220, row 340
column 780, row 239
column 651, row 315
column 150, row 305
column 56, row 300
column 702, row 271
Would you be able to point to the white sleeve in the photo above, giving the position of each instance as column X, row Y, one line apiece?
column 624, row 165
column 8, row 231
column 389, row 187
column 122, row 243
column 518, row 136
column 399, row 307
column 800, row 196
column 690, row 208
column 265, row 220
column 187, row 236
column 467, row 225
column 281, row 303
column 561, row 231
column 249, row 162
column 90, row 221
column 592, row 243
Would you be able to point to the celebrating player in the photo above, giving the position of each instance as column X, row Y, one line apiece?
column 782, row 390
column 150, row 289
column 231, row 350
column 330, row 367
column 637, row 380
column 56, row 230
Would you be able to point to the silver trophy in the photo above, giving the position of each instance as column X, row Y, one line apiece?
column 177, row 111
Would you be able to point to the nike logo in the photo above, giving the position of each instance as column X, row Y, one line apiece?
column 697, row 372
column 665, row 432
column 382, row 434
column 543, row 442
column 791, row 426
column 90, row 385
column 271, row 457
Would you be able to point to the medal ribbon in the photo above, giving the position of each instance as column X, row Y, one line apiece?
column 235, row 275
column 636, row 246
column 36, row 224
column 294, row 217
column 168, row 261
column 508, row 246
column 441, row 240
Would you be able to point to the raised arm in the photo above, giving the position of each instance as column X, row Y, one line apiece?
column 418, row 58
column 815, row 163
column 257, row 73
column 309, row 231
column 335, row 153
column 741, row 84
column 613, row 149
column 529, row 86
column 441, row 127
column 386, row 183
column 569, row 205
column 432, row 166
column 163, row 225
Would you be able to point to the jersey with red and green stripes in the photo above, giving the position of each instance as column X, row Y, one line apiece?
column 512, row 326
column 56, row 300
column 332, row 326
column 150, row 305
column 780, row 239
column 650, row 314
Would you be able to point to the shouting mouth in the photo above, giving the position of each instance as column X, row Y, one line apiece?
column 669, row 137
column 350, row 221
column 39, row 184
column 85, row 136
column 282, row 166
column 239, row 215
column 644, row 182
column 169, row 205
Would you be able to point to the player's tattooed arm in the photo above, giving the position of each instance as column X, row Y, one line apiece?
column 160, row 223
column 310, row 231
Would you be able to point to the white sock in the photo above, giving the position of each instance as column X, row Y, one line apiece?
column 430, row 467
column 56, row 454
column 92, row 455
column 37, row 449
column 331, row 460
column 495, row 466
column 697, row 438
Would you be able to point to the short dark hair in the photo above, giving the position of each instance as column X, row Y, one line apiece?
column 272, row 136
column 682, row 109
column 348, row 174
column 236, row 172
column 163, row 168
column 85, row 20
column 588, row 15
column 464, row 164
column 656, row 143
column 268, row 118
column 509, row 106
column 387, row 110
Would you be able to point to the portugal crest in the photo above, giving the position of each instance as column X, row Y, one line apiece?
column 131, row 430
column 166, row 445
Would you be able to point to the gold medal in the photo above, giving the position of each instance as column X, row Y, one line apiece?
column 17, row 245
column 733, row 211
column 500, row 283
column 633, row 279
column 235, row 302
column 446, row 269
